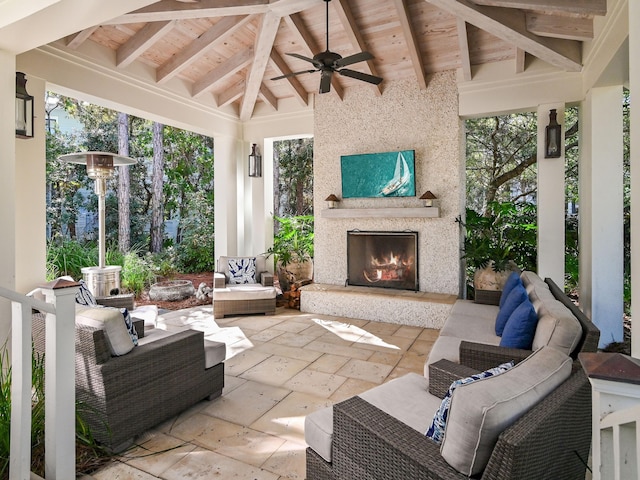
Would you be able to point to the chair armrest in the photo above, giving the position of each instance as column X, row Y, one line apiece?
column 443, row 373
column 482, row 357
column 368, row 443
column 124, row 300
column 219, row 280
column 266, row 279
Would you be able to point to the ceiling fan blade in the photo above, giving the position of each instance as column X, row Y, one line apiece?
column 365, row 77
column 306, row 59
column 351, row 59
column 293, row 74
column 325, row 81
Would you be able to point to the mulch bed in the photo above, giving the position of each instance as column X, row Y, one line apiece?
column 196, row 279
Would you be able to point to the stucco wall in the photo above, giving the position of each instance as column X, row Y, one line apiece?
column 403, row 118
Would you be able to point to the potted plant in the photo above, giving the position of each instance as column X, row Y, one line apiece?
column 292, row 249
column 500, row 241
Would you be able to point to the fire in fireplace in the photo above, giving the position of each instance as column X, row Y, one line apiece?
column 383, row 259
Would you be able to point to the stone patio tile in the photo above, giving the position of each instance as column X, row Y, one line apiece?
column 257, row 322
column 421, row 346
column 408, row 332
column 243, row 361
column 363, row 370
column 266, row 335
column 286, row 420
column 275, row 370
column 350, row 388
column 413, row 361
column 380, row 328
column 325, row 347
column 231, row 383
column 235, row 441
column 234, row 349
column 206, row 465
column 293, row 339
column 157, row 454
column 388, row 358
column 292, row 326
column 120, row 471
column 429, row 334
column 401, row 372
column 328, row 363
column 289, row 461
column 247, row 403
column 316, row 383
column 384, row 343
column 291, row 352
column 314, row 330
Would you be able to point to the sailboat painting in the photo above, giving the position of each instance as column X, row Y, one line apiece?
column 388, row 174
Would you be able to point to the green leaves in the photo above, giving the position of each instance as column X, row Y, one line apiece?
column 293, row 240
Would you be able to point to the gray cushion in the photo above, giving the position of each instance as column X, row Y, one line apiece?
column 415, row 410
column 111, row 321
column 480, row 411
column 214, row 353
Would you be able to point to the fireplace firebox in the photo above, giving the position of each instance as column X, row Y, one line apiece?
column 383, row 259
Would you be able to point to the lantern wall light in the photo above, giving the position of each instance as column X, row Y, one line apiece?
column 24, row 108
column 553, row 137
column 255, row 162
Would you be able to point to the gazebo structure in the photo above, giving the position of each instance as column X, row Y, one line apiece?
column 207, row 66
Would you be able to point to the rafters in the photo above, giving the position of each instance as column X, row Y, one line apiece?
column 509, row 25
column 463, row 42
column 228, row 68
column 141, row 41
column 74, row 41
column 283, row 69
column 412, row 42
column 582, row 8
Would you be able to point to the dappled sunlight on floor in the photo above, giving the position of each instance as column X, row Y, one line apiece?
column 278, row 369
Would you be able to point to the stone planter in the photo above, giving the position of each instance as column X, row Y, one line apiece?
column 293, row 272
column 171, row 291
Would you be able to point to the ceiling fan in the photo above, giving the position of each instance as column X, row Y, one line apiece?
column 328, row 63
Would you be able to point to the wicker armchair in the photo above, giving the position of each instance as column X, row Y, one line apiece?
column 242, row 299
column 550, row 441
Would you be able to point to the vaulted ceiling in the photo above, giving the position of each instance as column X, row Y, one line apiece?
column 228, row 51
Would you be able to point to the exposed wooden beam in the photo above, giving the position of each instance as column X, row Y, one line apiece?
column 412, row 42
column 463, row 43
column 308, row 44
column 355, row 37
column 77, row 39
column 232, row 94
column 268, row 97
column 228, row 68
column 560, row 27
column 172, row 10
column 263, row 46
column 299, row 92
column 509, row 25
column 201, row 45
column 141, row 41
column 582, row 8
column 521, row 57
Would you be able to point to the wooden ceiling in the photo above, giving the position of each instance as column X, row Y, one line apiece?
column 231, row 49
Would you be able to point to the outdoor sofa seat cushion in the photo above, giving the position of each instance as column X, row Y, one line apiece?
column 253, row 291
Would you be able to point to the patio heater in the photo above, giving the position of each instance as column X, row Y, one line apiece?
column 102, row 280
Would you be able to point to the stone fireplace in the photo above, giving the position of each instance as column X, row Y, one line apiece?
column 383, row 259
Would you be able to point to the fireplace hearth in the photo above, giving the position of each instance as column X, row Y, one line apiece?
column 383, row 259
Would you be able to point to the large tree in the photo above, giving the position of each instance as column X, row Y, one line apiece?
column 124, row 186
column 157, row 207
column 293, row 177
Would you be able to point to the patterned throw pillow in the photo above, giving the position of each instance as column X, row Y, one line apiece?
column 242, row 271
column 84, row 296
column 439, row 422
column 131, row 328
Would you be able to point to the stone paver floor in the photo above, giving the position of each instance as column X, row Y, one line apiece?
column 278, row 369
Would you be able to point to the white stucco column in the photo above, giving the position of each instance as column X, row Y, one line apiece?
column 634, row 137
column 551, row 201
column 253, row 202
column 31, row 198
column 7, row 185
column 227, row 229
column 601, row 211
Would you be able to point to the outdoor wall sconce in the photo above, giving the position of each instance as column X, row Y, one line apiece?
column 332, row 201
column 24, row 108
column 430, row 200
column 255, row 162
column 553, row 137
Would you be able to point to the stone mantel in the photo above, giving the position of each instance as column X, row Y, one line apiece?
column 391, row 212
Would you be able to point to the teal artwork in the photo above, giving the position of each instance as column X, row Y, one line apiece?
column 388, row 174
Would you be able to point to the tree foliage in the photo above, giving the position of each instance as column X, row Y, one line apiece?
column 293, row 182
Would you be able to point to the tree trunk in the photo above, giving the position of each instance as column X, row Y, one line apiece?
column 157, row 213
column 124, row 186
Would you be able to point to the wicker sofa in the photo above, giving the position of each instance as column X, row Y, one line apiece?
column 121, row 397
column 381, row 433
column 258, row 296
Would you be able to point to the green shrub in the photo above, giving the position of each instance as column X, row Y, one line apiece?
column 196, row 250
column 69, row 257
column 137, row 273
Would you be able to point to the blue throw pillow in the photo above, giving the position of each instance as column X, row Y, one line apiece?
column 131, row 328
column 521, row 327
column 242, row 271
column 84, row 296
column 514, row 299
column 439, row 422
column 513, row 280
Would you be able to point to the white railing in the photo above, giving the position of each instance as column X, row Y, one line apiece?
column 615, row 450
column 59, row 382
